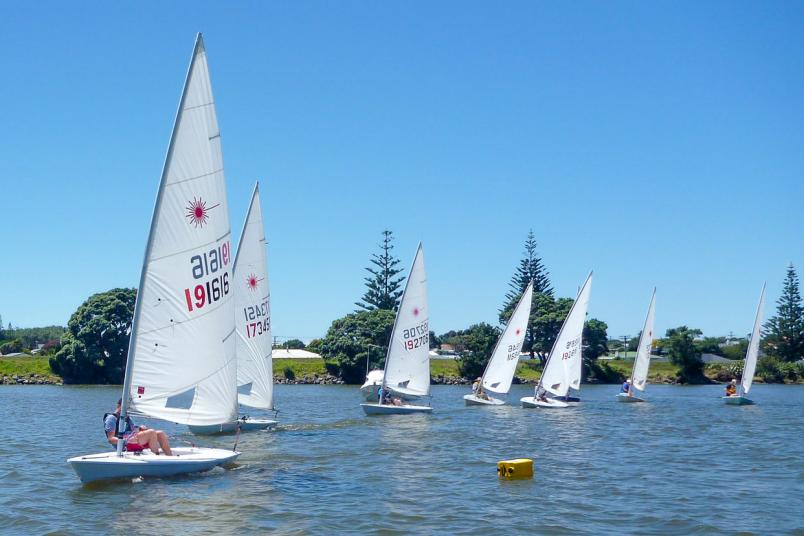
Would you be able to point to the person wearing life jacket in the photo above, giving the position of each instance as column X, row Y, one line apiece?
column 626, row 388
column 136, row 438
column 731, row 388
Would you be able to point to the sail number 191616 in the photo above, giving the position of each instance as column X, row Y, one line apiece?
column 209, row 263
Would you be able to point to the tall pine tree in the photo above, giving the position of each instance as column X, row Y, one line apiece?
column 383, row 287
column 784, row 333
column 530, row 269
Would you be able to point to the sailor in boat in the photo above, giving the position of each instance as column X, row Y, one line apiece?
column 731, row 388
column 626, row 388
column 136, row 438
column 477, row 389
column 541, row 396
column 387, row 400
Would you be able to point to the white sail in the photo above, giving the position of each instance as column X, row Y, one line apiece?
column 407, row 364
column 561, row 370
column 182, row 353
column 639, row 376
column 501, row 367
column 252, row 297
column 753, row 346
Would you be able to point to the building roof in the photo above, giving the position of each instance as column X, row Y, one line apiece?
column 284, row 353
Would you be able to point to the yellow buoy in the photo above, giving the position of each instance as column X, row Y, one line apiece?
column 519, row 468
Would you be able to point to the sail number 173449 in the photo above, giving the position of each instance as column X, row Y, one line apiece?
column 258, row 319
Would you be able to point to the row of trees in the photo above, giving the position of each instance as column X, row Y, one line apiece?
column 18, row 339
column 95, row 345
column 361, row 338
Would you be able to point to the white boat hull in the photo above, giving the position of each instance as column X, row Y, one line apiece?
column 248, row 425
column 108, row 465
column 474, row 400
column 389, row 409
column 550, row 403
column 737, row 401
column 622, row 397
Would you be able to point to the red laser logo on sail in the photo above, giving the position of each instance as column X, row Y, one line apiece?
column 198, row 211
column 252, row 281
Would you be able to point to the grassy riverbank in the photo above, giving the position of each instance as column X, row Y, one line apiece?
column 301, row 369
column 27, row 367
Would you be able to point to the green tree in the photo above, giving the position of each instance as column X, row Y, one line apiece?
column 548, row 323
column 530, row 269
column 434, row 341
column 709, row 345
column 383, row 287
column 595, row 339
column 596, row 344
column 1, row 327
column 784, row 333
column 680, row 345
column 736, row 350
column 96, row 345
column 478, row 343
column 293, row 344
column 315, row 346
column 348, row 339
column 11, row 347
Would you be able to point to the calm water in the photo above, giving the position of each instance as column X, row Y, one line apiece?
column 682, row 464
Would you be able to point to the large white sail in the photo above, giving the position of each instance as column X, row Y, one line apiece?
column 182, row 353
column 407, row 365
column 501, row 367
column 560, row 372
column 639, row 376
column 252, row 297
column 753, row 346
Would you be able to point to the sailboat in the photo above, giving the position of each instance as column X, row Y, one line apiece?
column 407, row 363
column 372, row 384
column 181, row 358
column 639, row 373
column 501, row 367
column 255, row 382
column 751, row 355
column 560, row 370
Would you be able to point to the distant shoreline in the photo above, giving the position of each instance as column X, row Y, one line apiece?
column 35, row 370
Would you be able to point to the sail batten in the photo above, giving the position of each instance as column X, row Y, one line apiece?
column 501, row 367
column 407, row 363
column 639, row 374
column 181, row 334
column 561, row 370
column 253, row 312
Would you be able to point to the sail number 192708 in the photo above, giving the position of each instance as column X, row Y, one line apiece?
column 416, row 337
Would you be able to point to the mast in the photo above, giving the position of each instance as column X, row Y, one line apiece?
column 121, row 422
column 560, row 332
column 396, row 319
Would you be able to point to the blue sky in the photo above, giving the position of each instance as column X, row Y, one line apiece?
column 658, row 143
